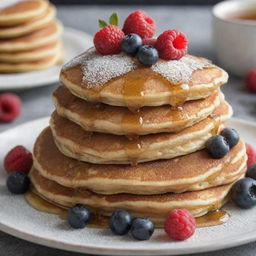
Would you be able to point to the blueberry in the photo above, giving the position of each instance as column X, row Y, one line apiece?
column 131, row 44
column 243, row 193
column 78, row 216
column 251, row 172
column 147, row 55
column 120, row 222
column 231, row 136
column 142, row 228
column 17, row 182
column 217, row 146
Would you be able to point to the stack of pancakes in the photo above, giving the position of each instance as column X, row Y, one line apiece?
column 137, row 140
column 29, row 36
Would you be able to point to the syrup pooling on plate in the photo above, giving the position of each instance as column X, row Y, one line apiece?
column 213, row 218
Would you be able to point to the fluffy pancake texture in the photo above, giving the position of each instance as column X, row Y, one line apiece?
column 191, row 172
column 119, row 120
column 153, row 206
column 102, row 148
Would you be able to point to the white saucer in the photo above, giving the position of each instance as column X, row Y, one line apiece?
column 19, row 219
column 74, row 41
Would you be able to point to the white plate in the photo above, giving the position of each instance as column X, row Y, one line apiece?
column 19, row 219
column 74, row 41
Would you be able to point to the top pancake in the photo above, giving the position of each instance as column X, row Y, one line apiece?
column 119, row 120
column 22, row 11
column 135, row 85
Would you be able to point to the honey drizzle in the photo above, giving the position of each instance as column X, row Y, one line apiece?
column 216, row 123
column 213, row 218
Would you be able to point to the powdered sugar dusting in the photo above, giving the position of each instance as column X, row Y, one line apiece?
column 98, row 69
column 180, row 71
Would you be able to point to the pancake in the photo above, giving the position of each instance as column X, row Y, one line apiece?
column 191, row 172
column 119, row 120
column 36, row 39
column 31, row 55
column 119, row 80
column 29, row 26
column 156, row 207
column 21, row 11
column 102, row 148
column 40, row 64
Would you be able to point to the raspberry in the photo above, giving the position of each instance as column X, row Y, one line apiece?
column 140, row 23
column 180, row 224
column 18, row 159
column 250, row 80
column 172, row 45
column 108, row 40
column 10, row 107
column 251, row 155
column 149, row 41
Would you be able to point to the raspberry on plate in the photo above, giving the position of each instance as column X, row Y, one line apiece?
column 250, row 80
column 18, row 159
column 172, row 45
column 10, row 107
column 140, row 23
column 251, row 155
column 180, row 224
column 108, row 40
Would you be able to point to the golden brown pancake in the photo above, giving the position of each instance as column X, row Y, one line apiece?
column 22, row 11
column 191, row 172
column 30, row 26
column 39, row 64
column 142, row 86
column 120, row 121
column 39, row 38
column 101, row 148
column 153, row 206
column 31, row 55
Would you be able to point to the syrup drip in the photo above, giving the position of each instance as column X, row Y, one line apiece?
column 133, row 87
column 213, row 218
column 179, row 94
column 217, row 122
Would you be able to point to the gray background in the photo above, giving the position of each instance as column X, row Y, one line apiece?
column 195, row 21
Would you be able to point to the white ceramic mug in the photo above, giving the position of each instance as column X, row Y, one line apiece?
column 234, row 39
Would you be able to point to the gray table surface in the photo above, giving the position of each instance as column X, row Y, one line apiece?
column 196, row 23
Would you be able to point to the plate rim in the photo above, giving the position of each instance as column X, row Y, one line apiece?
column 107, row 250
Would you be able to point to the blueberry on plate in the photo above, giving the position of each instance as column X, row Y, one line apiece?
column 142, row 228
column 147, row 55
column 120, row 222
column 78, row 216
column 17, row 182
column 231, row 136
column 131, row 44
column 251, row 172
column 243, row 193
column 217, row 146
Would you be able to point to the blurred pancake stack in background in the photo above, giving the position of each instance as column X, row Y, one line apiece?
column 29, row 36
